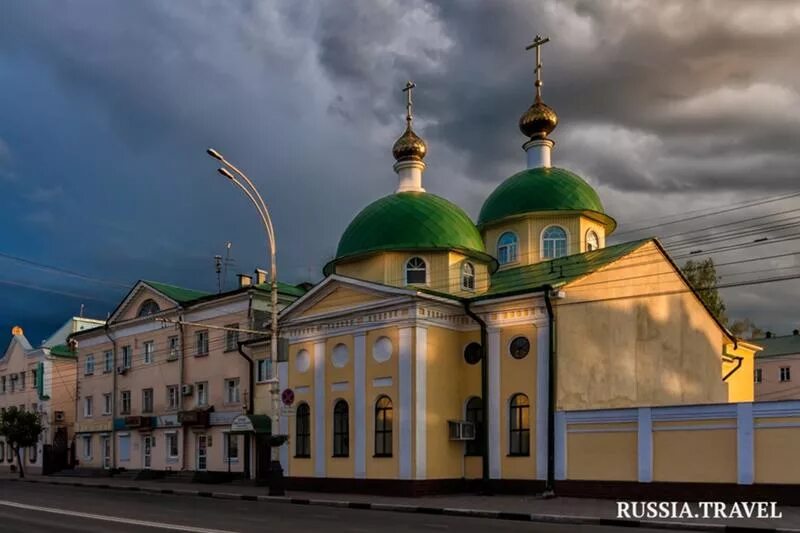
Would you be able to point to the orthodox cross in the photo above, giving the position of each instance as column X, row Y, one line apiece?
column 537, row 44
column 410, row 85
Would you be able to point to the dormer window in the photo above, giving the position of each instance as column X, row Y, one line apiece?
column 554, row 242
column 416, row 271
column 592, row 242
column 148, row 307
column 468, row 276
column 507, row 248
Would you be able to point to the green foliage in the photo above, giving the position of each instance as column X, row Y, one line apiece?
column 21, row 429
column 746, row 329
column 702, row 275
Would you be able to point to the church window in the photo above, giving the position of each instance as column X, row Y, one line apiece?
column 474, row 414
column 592, row 242
column 341, row 430
column 148, row 307
column 416, row 271
column 383, row 427
column 554, row 242
column 519, row 347
column 302, row 441
column 519, row 426
column 507, row 248
column 473, row 353
column 468, row 276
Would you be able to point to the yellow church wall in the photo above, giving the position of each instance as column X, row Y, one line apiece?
column 370, row 268
column 520, row 228
column 341, row 298
column 631, row 334
column 382, row 467
column 740, row 384
column 712, row 458
column 339, row 378
column 456, row 263
column 301, row 466
column 775, row 452
column 601, row 455
column 517, row 376
column 587, row 224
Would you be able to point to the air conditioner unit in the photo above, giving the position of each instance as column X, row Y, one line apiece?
column 121, row 370
column 461, row 430
column 187, row 390
column 59, row 416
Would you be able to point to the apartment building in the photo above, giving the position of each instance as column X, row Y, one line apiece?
column 161, row 383
column 42, row 379
column 777, row 368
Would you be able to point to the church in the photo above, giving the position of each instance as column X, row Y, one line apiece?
column 438, row 350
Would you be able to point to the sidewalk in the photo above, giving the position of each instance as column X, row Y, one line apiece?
column 523, row 508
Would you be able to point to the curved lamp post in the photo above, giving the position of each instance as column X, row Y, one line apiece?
column 249, row 189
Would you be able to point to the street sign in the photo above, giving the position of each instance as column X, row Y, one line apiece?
column 287, row 397
column 288, row 411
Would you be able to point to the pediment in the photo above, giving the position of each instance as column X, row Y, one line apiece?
column 130, row 306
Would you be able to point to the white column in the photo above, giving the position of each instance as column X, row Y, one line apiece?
column 744, row 443
column 494, row 405
column 320, row 435
column 404, row 390
column 645, row 440
column 561, row 446
column 538, row 152
column 360, row 399
column 542, row 398
column 283, row 429
column 410, row 175
column 420, row 393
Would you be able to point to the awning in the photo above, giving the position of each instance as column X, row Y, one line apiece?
column 260, row 424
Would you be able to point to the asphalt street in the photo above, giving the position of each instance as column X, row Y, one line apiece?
column 32, row 508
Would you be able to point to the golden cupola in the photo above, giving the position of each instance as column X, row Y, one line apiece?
column 410, row 146
column 539, row 120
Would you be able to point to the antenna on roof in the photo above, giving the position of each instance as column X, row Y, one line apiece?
column 218, row 270
column 227, row 262
column 81, row 312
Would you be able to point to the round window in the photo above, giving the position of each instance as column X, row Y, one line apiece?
column 382, row 350
column 340, row 355
column 302, row 361
column 472, row 353
column 520, row 347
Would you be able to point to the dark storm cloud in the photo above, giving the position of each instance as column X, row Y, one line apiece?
column 107, row 106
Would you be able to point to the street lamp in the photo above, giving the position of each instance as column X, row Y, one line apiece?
column 250, row 190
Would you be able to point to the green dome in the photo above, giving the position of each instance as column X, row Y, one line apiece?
column 411, row 221
column 542, row 189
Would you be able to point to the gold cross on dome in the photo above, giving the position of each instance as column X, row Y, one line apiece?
column 410, row 85
column 537, row 44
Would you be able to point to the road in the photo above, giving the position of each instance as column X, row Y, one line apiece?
column 33, row 508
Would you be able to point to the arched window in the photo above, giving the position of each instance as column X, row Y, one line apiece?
column 302, row 441
column 383, row 427
column 341, row 429
column 416, row 271
column 519, row 438
column 468, row 276
column 148, row 307
column 554, row 242
column 507, row 248
column 592, row 242
column 474, row 414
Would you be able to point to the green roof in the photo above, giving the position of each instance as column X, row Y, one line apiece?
column 557, row 272
column 777, row 346
column 179, row 294
column 411, row 221
column 542, row 189
column 62, row 350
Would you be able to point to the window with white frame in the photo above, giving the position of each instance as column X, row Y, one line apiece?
column 201, row 389
column 263, row 370
column 88, row 367
column 108, row 361
column 507, row 248
column 231, row 447
column 87, row 446
column 88, row 406
column 22, row 381
column 232, row 390
column 786, row 374
column 125, row 402
column 416, row 271
column 173, row 348
column 201, row 342
column 147, row 400
column 172, row 445
column 149, row 352
column 592, row 242
column 172, row 397
column 758, row 375
column 107, row 404
column 554, row 242
column 127, row 353
column 468, row 276
column 231, row 337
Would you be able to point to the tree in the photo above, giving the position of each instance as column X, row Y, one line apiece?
column 702, row 275
column 746, row 329
column 21, row 429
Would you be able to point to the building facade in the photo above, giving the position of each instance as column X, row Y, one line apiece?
column 775, row 366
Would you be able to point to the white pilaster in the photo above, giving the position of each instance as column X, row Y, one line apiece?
column 410, row 175
column 404, row 390
column 421, row 392
column 283, row 427
column 360, row 394
column 744, row 443
column 538, row 152
column 561, row 446
column 645, row 442
column 542, row 398
column 319, row 436
column 494, row 411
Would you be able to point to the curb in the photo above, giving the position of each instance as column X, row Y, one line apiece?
column 448, row 511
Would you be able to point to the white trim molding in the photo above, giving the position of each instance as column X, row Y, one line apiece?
column 421, row 392
column 360, row 397
column 320, row 436
column 404, row 390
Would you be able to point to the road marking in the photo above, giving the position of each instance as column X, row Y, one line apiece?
column 117, row 519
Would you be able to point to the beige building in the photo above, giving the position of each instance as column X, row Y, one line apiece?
column 42, row 379
column 160, row 384
column 775, row 366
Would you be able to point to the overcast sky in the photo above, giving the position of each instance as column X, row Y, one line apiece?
column 107, row 107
